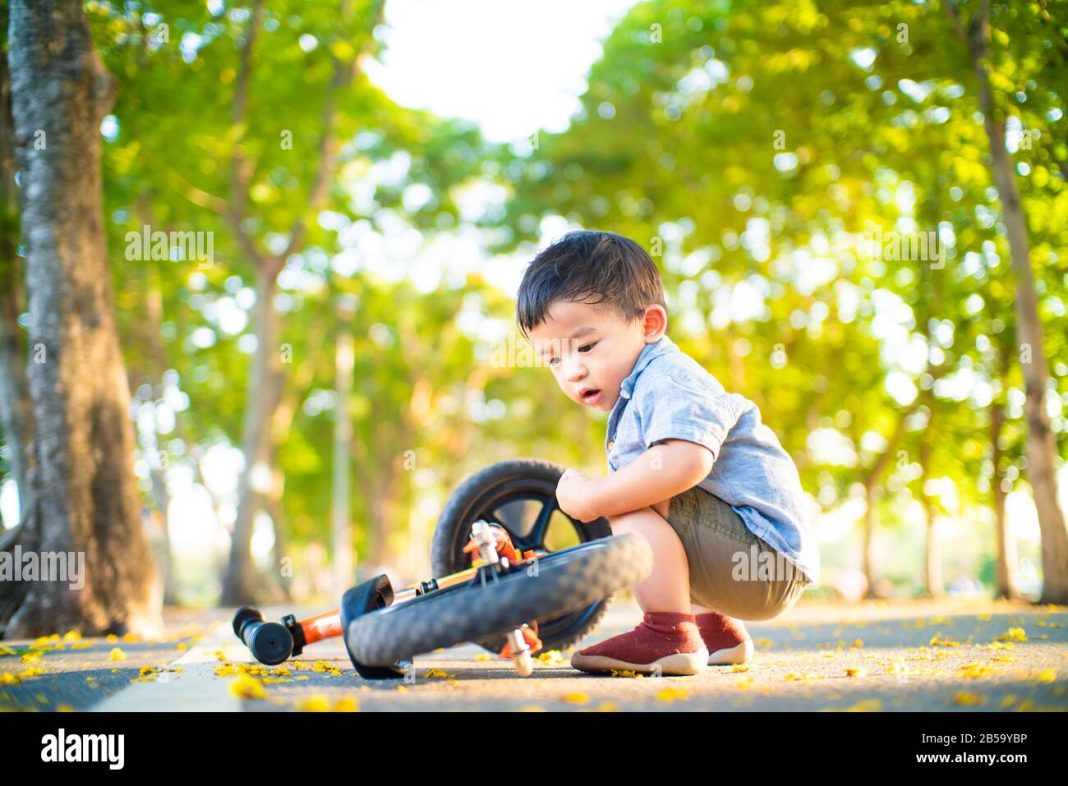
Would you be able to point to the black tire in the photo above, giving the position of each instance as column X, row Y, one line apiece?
column 565, row 580
column 484, row 492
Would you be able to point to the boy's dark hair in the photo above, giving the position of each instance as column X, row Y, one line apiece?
column 584, row 264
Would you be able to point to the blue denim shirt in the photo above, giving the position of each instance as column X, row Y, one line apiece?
column 669, row 395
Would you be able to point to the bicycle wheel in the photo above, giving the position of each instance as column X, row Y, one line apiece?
column 558, row 582
column 519, row 495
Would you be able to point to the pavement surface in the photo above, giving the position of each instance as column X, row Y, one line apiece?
column 944, row 655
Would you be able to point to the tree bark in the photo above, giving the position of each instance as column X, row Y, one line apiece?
column 871, row 484
column 264, row 390
column 1041, row 443
column 82, row 496
column 157, row 366
column 933, row 553
column 1005, row 564
column 15, row 417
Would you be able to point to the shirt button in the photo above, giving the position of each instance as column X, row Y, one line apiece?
column 611, row 445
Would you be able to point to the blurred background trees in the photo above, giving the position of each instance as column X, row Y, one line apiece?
column 817, row 183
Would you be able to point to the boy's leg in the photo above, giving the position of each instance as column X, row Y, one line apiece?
column 667, row 588
column 667, row 640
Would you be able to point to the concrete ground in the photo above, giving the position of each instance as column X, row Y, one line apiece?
column 886, row 655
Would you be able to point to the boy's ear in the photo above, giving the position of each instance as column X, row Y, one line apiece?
column 654, row 323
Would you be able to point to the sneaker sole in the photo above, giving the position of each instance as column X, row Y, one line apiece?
column 741, row 653
column 677, row 664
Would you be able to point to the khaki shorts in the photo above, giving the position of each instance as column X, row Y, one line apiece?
column 725, row 560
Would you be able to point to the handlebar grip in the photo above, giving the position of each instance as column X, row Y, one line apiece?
column 270, row 642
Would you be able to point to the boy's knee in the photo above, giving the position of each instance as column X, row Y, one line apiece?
column 633, row 521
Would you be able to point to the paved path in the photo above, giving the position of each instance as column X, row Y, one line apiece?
column 895, row 656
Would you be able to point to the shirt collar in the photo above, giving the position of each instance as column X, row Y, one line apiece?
column 648, row 353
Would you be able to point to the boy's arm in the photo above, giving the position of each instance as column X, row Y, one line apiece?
column 661, row 472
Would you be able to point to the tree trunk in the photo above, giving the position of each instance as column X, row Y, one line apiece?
column 282, row 421
column 871, row 484
column 933, row 564
column 1005, row 565
column 155, row 350
column 1041, row 444
column 265, row 389
column 161, row 499
column 264, row 392
column 276, row 510
column 82, row 496
column 15, row 417
column 867, row 554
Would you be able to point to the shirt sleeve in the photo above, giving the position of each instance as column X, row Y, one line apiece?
column 674, row 407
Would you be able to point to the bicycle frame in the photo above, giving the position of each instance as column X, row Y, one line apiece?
column 266, row 641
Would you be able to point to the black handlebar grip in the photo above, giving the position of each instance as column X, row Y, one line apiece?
column 270, row 642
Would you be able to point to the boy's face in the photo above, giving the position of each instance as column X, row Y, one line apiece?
column 591, row 349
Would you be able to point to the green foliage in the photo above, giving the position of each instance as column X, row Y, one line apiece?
column 753, row 147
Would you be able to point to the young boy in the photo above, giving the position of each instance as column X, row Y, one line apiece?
column 693, row 469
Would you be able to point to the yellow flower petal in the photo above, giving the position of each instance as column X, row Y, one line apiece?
column 898, row 667
column 672, row 694
column 968, row 699
column 1013, row 634
column 551, row 657
column 865, row 705
column 975, row 671
column 246, row 687
column 314, row 703
column 938, row 641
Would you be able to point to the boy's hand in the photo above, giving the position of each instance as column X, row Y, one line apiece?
column 504, row 546
column 576, row 494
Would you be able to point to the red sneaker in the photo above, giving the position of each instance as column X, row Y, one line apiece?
column 664, row 642
column 726, row 638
